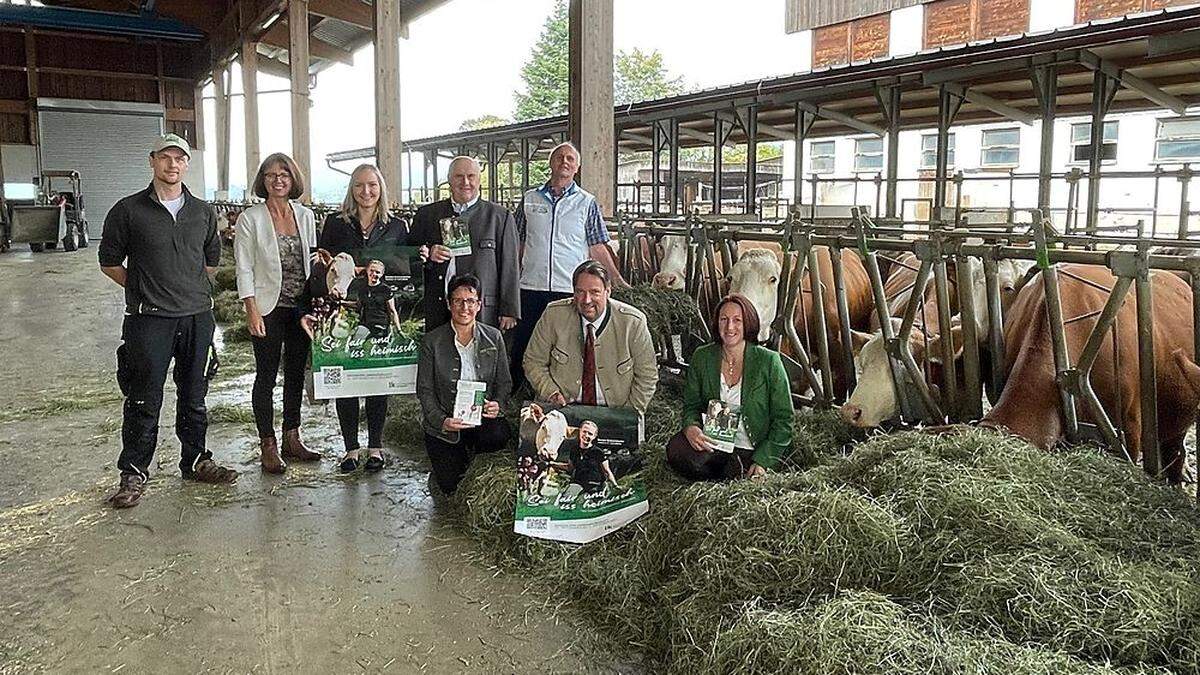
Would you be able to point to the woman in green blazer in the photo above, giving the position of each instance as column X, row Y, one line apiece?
column 750, row 380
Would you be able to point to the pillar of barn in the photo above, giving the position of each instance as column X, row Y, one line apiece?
column 718, row 165
column 748, row 119
column 804, row 122
column 1045, row 86
column 1104, row 88
column 889, row 99
column 221, row 94
column 590, row 115
column 250, row 110
column 388, row 29
column 948, row 105
column 298, row 62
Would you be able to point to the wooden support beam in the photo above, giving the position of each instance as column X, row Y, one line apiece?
column 243, row 21
column 31, row 83
column 201, row 137
column 388, row 152
column 250, row 108
column 221, row 92
column 695, row 135
column 1174, row 43
column 849, row 121
column 1130, row 81
column 274, row 67
column 353, row 12
column 590, row 112
column 279, row 35
column 992, row 104
column 774, row 132
column 298, row 58
column 638, row 138
column 180, row 115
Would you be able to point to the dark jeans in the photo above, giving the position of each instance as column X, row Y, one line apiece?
column 285, row 338
column 689, row 463
column 450, row 460
column 347, row 412
column 148, row 343
column 533, row 304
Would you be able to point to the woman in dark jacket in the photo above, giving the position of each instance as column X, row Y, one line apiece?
column 749, row 379
column 364, row 221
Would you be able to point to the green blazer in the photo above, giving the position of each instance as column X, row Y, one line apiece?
column 766, row 398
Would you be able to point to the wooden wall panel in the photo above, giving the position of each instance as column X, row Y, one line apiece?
column 947, row 22
column 1090, row 10
column 997, row 18
column 62, row 51
column 57, row 85
column 831, row 45
column 13, row 85
column 179, row 61
column 869, row 37
column 12, row 48
column 810, row 14
column 14, row 129
column 179, row 95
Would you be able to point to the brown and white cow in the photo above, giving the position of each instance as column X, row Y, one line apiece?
column 1030, row 405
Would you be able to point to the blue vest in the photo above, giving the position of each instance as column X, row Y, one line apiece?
column 555, row 239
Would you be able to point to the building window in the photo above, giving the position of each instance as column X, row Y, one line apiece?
column 1178, row 140
column 1001, row 147
column 821, row 156
column 868, row 154
column 929, row 151
column 1081, row 142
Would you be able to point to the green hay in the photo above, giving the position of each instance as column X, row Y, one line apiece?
column 228, row 308
column 667, row 312
column 224, row 413
column 403, row 425
column 913, row 553
column 75, row 400
column 237, row 359
column 225, row 278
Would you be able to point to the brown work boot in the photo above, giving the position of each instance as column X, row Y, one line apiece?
column 129, row 493
column 294, row 447
column 208, row 471
column 271, row 461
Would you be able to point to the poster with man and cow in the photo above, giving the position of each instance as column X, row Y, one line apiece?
column 368, row 322
column 578, row 472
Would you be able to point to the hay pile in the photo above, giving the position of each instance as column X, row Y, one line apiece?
column 667, row 312
column 914, row 553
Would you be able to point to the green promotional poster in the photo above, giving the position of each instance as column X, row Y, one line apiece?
column 369, row 323
column 578, row 472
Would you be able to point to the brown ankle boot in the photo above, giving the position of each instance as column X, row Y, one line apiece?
column 271, row 461
column 294, row 448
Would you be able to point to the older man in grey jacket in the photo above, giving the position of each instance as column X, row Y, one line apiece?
column 494, row 250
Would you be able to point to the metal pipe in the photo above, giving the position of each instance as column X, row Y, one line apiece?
column 972, row 405
column 822, row 328
column 843, row 310
column 1151, row 453
column 995, row 327
column 949, row 368
column 1058, row 342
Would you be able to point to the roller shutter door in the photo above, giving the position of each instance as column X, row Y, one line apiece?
column 107, row 143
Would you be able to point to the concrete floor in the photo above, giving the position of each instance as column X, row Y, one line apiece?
column 309, row 572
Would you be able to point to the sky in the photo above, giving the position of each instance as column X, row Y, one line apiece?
column 464, row 60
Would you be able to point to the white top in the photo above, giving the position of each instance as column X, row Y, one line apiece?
column 173, row 205
column 732, row 396
column 466, row 355
column 584, row 323
column 256, row 253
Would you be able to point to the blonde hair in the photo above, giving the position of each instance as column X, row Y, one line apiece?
column 350, row 207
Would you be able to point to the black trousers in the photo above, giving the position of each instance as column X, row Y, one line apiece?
column 689, row 463
column 348, row 411
column 533, row 304
column 287, row 340
column 450, row 460
column 148, row 344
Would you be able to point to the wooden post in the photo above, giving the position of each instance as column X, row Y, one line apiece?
column 31, row 83
column 298, row 60
column 387, row 93
column 221, row 92
column 200, row 139
column 250, row 109
column 590, row 116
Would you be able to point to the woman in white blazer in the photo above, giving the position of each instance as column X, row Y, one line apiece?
column 271, row 248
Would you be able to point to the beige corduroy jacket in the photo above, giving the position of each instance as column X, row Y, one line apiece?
column 626, row 367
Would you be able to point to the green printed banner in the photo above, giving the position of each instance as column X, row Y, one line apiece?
column 367, row 337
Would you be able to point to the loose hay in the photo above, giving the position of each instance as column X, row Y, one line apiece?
column 913, row 553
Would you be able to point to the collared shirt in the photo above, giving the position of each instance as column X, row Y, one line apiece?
column 597, row 326
column 593, row 224
column 459, row 208
column 467, row 357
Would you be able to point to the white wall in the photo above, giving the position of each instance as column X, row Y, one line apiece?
column 907, row 30
column 20, row 165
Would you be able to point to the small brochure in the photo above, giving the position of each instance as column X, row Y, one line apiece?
column 456, row 235
column 721, row 425
column 468, row 402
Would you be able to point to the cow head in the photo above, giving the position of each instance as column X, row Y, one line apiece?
column 756, row 276
column 672, row 262
column 550, row 430
column 339, row 273
column 873, row 400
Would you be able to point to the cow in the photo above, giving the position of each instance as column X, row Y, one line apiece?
column 756, row 275
column 672, row 262
column 339, row 271
column 1030, row 406
column 544, row 433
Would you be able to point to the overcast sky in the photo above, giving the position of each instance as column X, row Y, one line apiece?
column 464, row 60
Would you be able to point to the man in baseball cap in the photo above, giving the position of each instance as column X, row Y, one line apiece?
column 160, row 245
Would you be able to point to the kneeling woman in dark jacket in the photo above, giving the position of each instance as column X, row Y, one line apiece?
column 468, row 350
column 750, row 380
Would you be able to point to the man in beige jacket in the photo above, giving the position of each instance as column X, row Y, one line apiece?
column 591, row 349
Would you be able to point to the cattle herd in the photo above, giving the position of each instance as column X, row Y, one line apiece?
column 1011, row 333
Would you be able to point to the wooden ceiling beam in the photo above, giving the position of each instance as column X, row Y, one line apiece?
column 277, row 36
column 353, row 12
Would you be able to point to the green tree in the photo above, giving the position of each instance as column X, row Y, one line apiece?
column 483, row 122
column 637, row 75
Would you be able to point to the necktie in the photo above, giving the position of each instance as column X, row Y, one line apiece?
column 589, row 367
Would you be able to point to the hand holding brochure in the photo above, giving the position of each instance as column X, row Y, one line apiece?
column 468, row 402
column 721, row 425
column 456, row 235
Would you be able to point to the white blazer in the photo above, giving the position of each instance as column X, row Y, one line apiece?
column 256, row 253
